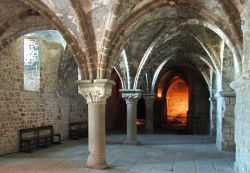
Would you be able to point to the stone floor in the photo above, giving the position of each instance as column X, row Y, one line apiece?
column 157, row 154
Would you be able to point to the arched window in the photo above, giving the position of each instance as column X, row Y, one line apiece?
column 31, row 65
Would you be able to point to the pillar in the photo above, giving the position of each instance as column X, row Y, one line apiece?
column 212, row 116
column 131, row 97
column 149, row 100
column 96, row 94
column 242, row 123
column 241, row 85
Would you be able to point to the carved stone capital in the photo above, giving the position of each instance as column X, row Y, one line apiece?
column 131, row 96
column 149, row 98
column 96, row 91
column 242, row 81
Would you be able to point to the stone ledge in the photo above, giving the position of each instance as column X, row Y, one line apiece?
column 225, row 94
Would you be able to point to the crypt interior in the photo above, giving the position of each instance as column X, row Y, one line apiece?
column 125, row 86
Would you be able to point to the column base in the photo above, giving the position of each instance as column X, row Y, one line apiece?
column 132, row 142
column 96, row 162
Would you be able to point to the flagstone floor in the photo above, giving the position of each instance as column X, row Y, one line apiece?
column 157, row 154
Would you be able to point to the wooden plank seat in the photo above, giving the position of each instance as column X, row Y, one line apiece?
column 42, row 136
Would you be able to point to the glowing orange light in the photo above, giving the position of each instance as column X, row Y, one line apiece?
column 177, row 101
column 159, row 92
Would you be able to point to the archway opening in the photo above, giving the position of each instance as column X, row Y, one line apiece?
column 177, row 102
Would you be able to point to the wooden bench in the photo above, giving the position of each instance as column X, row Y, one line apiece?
column 78, row 129
column 37, row 137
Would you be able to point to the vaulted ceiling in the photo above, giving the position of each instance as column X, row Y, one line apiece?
column 134, row 36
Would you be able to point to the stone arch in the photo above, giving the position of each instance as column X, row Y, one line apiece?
column 164, row 62
column 147, row 55
column 214, row 24
column 7, row 24
column 236, row 52
column 237, row 60
column 78, row 54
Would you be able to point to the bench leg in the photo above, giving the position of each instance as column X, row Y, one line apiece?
column 29, row 148
column 46, row 143
column 58, row 140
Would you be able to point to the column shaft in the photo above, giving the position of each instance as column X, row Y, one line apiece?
column 96, row 135
column 96, row 93
column 131, row 122
column 242, row 124
column 149, row 100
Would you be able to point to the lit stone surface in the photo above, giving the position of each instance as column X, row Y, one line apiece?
column 158, row 154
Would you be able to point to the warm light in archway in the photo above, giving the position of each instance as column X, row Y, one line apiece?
column 159, row 92
column 177, row 101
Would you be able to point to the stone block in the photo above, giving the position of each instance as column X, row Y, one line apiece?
column 228, row 137
column 226, row 130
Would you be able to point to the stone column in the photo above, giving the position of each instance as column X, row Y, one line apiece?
column 131, row 97
column 212, row 116
column 149, row 100
column 96, row 93
column 242, row 123
column 225, row 120
column 242, row 108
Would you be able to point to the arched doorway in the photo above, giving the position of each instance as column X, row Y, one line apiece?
column 177, row 103
column 182, row 103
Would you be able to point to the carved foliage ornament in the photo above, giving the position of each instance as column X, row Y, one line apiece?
column 131, row 96
column 96, row 94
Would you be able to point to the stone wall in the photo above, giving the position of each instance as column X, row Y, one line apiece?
column 225, row 121
column 228, row 124
column 22, row 109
